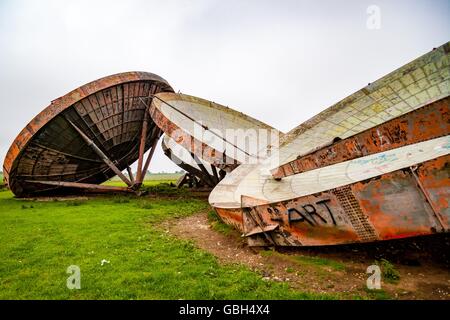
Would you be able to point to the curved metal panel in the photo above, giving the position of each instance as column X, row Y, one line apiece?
column 57, row 145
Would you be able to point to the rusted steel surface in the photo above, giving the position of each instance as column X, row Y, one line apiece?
column 412, row 86
column 109, row 111
column 417, row 83
column 434, row 179
column 425, row 123
column 354, row 173
column 232, row 216
column 387, row 207
column 402, row 196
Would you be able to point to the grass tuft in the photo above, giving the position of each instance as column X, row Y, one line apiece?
column 390, row 273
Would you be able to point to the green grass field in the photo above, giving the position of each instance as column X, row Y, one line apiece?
column 172, row 177
column 161, row 182
column 39, row 240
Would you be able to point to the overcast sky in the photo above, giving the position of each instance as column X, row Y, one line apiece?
column 278, row 61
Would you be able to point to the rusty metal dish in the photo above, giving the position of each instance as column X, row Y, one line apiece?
column 374, row 166
column 86, row 137
column 210, row 131
column 311, row 192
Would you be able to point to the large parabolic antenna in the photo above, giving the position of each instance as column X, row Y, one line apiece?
column 87, row 136
column 374, row 166
column 213, row 133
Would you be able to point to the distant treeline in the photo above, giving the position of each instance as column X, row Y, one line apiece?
column 163, row 172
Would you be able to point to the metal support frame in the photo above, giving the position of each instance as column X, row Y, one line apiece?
column 81, row 185
column 130, row 174
column 142, row 146
column 214, row 171
column 143, row 166
column 133, row 183
column 101, row 154
column 203, row 169
column 155, row 136
column 193, row 171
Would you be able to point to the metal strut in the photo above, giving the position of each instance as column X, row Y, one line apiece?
column 142, row 143
column 101, row 154
column 156, row 135
column 80, row 185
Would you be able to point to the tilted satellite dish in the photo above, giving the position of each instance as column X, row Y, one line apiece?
column 216, row 134
column 86, row 137
column 374, row 166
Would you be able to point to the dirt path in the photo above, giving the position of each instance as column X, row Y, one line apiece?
column 421, row 263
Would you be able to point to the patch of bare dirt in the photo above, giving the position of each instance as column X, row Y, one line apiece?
column 422, row 263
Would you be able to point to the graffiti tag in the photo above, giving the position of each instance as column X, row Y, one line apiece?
column 308, row 213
